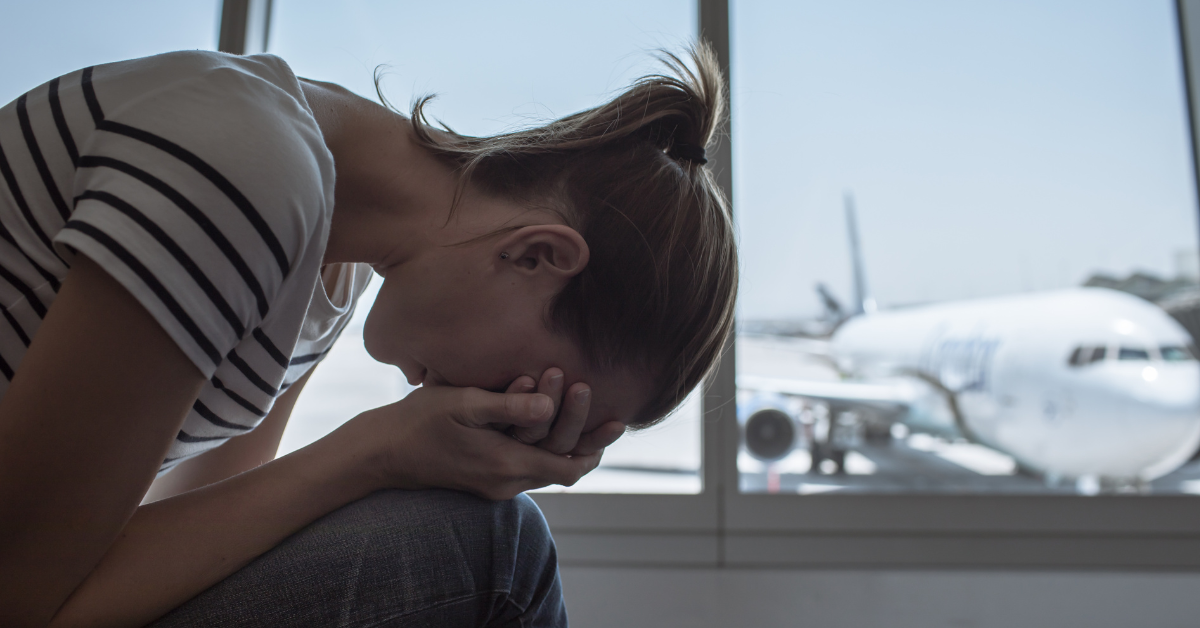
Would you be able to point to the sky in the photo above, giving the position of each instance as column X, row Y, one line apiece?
column 992, row 147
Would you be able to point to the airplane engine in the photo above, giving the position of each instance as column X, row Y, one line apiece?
column 769, row 434
column 769, row 427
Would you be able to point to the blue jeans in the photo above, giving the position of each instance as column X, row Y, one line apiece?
column 398, row 558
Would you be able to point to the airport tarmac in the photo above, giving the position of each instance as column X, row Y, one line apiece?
column 898, row 467
column 901, row 467
column 894, row 468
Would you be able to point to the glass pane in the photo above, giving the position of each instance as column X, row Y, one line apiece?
column 42, row 40
column 939, row 204
column 1175, row 354
column 500, row 65
column 1127, row 353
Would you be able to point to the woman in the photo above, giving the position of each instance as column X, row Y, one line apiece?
column 176, row 257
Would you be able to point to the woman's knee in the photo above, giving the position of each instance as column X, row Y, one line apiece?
column 444, row 519
column 502, row 551
column 529, row 526
column 508, row 541
column 433, row 557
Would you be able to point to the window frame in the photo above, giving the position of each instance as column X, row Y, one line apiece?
column 722, row 527
column 874, row 531
column 966, row 531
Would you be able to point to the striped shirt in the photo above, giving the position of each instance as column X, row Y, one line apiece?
column 201, row 182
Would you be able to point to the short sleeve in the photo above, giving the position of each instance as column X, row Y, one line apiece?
column 204, row 183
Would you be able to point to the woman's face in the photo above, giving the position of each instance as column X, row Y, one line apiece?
column 465, row 316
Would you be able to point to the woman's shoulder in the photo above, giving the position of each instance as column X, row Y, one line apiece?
column 244, row 118
column 204, row 92
column 208, row 174
column 253, row 75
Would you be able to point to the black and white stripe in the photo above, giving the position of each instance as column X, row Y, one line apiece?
column 192, row 212
column 202, row 167
column 193, row 269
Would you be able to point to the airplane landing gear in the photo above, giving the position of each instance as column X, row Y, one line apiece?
column 826, row 460
column 832, row 438
column 878, row 433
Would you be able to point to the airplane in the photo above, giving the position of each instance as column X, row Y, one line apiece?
column 1081, row 384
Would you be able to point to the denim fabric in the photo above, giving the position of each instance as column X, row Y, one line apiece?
column 398, row 558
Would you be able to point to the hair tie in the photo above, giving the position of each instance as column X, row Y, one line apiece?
column 688, row 152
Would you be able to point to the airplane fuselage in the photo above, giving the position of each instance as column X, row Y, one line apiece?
column 1070, row 383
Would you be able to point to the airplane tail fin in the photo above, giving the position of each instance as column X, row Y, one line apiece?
column 864, row 303
column 833, row 308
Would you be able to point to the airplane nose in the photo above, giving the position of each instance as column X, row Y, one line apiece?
column 1168, row 423
column 1174, row 388
column 1149, row 373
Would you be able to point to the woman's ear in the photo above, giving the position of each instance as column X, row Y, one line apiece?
column 553, row 252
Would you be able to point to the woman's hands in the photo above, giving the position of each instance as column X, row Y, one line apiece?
column 565, row 435
column 446, row 437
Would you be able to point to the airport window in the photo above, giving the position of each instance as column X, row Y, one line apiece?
column 484, row 88
column 955, row 143
column 826, row 103
column 910, row 320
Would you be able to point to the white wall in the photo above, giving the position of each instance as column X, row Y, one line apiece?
column 602, row 597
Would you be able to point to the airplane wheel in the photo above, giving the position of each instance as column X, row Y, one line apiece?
column 838, row 456
column 821, row 453
column 817, row 453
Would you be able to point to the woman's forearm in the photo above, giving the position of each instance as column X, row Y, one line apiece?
column 173, row 549
column 442, row 436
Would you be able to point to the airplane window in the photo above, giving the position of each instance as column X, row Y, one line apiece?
column 1079, row 356
column 1126, row 353
column 483, row 88
column 916, row 164
column 1176, row 354
column 1082, row 356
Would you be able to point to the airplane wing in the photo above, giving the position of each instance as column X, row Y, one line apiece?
column 886, row 395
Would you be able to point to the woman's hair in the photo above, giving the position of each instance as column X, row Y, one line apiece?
column 658, row 292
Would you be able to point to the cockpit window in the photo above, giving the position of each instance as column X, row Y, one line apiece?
column 1175, row 353
column 1083, row 356
column 1130, row 353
